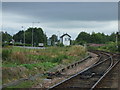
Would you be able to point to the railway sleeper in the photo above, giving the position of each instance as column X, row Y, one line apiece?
column 87, row 75
column 68, row 67
column 51, row 75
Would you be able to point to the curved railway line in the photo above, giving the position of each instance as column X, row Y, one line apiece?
column 111, row 77
column 91, row 76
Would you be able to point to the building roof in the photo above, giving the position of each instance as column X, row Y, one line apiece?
column 64, row 35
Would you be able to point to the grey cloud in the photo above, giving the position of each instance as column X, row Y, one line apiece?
column 60, row 1
column 64, row 16
column 64, row 11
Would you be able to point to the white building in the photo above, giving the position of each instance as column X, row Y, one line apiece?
column 65, row 39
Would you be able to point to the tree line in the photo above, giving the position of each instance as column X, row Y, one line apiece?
column 40, row 37
column 98, row 38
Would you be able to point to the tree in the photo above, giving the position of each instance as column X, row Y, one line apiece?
column 83, row 38
column 6, row 37
column 19, row 37
column 53, row 39
column 112, row 37
column 99, row 38
column 38, row 36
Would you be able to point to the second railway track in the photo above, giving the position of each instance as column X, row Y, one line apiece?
column 87, row 79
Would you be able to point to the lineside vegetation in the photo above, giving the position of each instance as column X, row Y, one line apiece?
column 21, row 63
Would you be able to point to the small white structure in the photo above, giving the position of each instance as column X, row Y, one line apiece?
column 40, row 44
column 12, row 41
column 65, row 39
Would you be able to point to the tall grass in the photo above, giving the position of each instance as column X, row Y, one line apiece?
column 109, row 47
column 6, row 53
column 36, row 61
column 51, row 54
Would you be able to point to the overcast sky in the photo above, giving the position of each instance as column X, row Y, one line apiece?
column 61, row 17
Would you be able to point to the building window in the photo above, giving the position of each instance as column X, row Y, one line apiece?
column 65, row 39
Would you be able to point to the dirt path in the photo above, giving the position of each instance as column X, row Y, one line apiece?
column 66, row 74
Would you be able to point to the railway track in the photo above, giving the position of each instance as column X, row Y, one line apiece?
column 111, row 77
column 90, row 77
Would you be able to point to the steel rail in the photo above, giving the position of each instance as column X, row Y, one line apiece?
column 109, row 69
column 92, row 66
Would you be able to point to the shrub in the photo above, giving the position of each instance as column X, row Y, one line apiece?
column 59, row 58
column 21, row 44
column 41, row 58
column 47, row 65
column 28, row 66
column 60, row 45
column 56, row 60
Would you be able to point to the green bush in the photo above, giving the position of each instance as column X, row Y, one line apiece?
column 64, row 57
column 56, row 60
column 41, row 58
column 6, row 44
column 21, row 44
column 59, row 58
column 46, row 65
column 60, row 45
column 29, row 66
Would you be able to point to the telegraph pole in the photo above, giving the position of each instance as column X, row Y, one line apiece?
column 32, row 32
column 117, row 40
column 118, row 33
column 58, row 35
column 24, row 35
